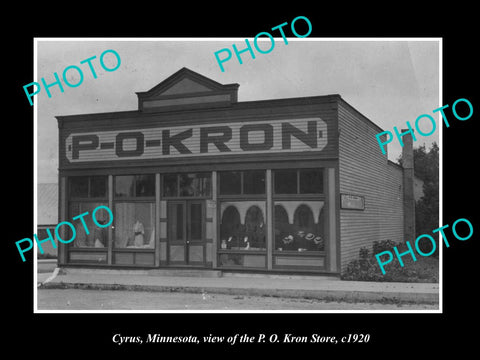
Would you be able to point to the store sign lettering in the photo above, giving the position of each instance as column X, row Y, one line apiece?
column 247, row 137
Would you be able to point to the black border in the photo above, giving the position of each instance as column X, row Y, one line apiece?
column 62, row 335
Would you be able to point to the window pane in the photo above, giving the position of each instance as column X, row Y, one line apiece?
column 254, row 228
column 97, row 236
column 254, row 182
column 230, row 182
column 134, row 225
column 79, row 186
column 170, row 185
column 98, row 186
column 125, row 186
column 230, row 228
column 145, row 185
column 195, row 184
column 285, row 181
column 299, row 227
column 249, row 235
column 311, row 181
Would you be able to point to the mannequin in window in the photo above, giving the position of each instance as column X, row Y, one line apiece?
column 138, row 231
column 81, row 236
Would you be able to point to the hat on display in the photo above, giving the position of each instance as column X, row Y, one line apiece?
column 318, row 240
column 287, row 239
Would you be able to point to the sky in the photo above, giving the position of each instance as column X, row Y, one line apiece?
column 388, row 81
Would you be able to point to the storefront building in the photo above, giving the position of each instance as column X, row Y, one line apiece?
column 195, row 178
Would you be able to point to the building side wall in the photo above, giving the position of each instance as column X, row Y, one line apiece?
column 364, row 171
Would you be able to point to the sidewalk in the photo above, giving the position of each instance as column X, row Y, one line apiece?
column 211, row 281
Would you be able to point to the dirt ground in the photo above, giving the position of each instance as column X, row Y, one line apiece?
column 75, row 299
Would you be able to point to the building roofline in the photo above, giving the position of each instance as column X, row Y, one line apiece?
column 360, row 114
column 237, row 105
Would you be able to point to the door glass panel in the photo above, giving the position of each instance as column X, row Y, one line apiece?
column 176, row 221
column 195, row 221
column 179, row 222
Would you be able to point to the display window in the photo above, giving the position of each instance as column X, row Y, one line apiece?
column 96, row 236
column 299, row 226
column 134, row 225
column 299, row 210
column 86, row 193
column 134, row 210
column 242, row 225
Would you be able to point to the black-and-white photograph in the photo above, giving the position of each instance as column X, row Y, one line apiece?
column 238, row 175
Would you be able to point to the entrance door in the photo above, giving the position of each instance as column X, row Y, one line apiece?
column 186, row 232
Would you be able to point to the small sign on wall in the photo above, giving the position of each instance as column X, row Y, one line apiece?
column 211, row 204
column 353, row 202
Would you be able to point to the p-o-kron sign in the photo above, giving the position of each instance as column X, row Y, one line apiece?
column 308, row 134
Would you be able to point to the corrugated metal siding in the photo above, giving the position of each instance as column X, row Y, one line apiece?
column 47, row 204
column 363, row 170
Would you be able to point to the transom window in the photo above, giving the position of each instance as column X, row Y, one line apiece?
column 251, row 182
column 88, row 186
column 134, row 186
column 301, row 181
column 187, row 185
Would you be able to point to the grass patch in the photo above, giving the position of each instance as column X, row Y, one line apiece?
column 366, row 267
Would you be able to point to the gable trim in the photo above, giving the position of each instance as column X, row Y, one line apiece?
column 155, row 99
